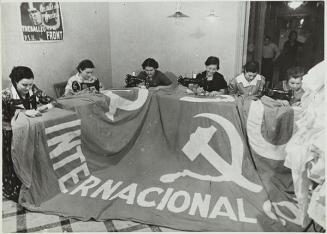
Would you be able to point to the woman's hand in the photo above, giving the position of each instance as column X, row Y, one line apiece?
column 213, row 93
column 32, row 113
column 216, row 93
column 42, row 108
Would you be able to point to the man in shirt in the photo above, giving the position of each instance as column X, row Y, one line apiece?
column 270, row 52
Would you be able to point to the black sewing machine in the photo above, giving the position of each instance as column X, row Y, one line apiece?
column 185, row 81
column 278, row 94
column 132, row 81
column 81, row 86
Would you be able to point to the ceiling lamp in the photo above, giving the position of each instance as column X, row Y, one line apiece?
column 178, row 13
column 294, row 4
column 212, row 17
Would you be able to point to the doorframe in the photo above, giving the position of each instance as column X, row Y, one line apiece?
column 242, row 36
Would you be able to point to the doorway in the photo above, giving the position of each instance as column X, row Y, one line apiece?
column 277, row 20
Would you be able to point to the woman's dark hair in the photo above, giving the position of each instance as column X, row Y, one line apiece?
column 295, row 72
column 150, row 62
column 251, row 66
column 267, row 37
column 84, row 64
column 290, row 34
column 20, row 72
column 212, row 61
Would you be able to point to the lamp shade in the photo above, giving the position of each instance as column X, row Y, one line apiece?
column 212, row 17
column 178, row 14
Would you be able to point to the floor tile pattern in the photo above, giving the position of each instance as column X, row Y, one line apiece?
column 17, row 219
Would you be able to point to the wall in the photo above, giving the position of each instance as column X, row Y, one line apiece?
column 118, row 36
column 140, row 30
column 86, row 35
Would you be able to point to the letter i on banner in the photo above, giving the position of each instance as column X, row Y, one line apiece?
column 165, row 199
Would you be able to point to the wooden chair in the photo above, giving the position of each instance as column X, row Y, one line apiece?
column 60, row 88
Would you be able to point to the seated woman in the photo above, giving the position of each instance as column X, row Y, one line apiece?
column 153, row 77
column 211, row 80
column 22, row 96
column 294, row 83
column 248, row 83
column 83, row 80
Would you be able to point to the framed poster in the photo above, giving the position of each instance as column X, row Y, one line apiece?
column 41, row 21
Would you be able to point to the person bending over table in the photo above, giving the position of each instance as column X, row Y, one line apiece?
column 210, row 79
column 22, row 96
column 153, row 78
column 249, row 82
column 294, row 83
column 83, row 81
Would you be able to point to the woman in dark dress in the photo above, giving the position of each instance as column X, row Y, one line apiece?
column 153, row 78
column 210, row 79
column 21, row 96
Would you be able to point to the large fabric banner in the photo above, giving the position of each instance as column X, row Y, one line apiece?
column 164, row 158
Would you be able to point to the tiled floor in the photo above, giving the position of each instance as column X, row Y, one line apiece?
column 16, row 219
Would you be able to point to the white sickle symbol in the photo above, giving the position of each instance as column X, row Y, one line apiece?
column 198, row 144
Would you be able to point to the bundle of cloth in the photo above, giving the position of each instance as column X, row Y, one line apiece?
column 306, row 150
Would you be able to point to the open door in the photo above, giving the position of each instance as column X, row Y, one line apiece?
column 277, row 20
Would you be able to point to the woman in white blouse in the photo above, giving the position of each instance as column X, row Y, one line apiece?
column 249, row 82
column 83, row 80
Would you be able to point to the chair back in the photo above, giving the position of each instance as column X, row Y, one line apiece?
column 60, row 88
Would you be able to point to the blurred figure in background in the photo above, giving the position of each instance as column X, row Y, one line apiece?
column 290, row 56
column 270, row 53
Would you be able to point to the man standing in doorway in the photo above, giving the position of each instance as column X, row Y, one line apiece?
column 270, row 53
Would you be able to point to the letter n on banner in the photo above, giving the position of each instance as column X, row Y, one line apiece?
column 66, row 156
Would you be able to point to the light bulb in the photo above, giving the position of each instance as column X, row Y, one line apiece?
column 294, row 4
column 212, row 17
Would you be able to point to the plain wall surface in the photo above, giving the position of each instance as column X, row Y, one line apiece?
column 142, row 29
column 86, row 35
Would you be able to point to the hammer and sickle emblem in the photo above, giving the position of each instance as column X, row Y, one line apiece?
column 118, row 102
column 198, row 145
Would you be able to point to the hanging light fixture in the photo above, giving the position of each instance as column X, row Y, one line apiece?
column 212, row 17
column 294, row 4
column 178, row 13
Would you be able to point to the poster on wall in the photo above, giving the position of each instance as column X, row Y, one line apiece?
column 41, row 21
